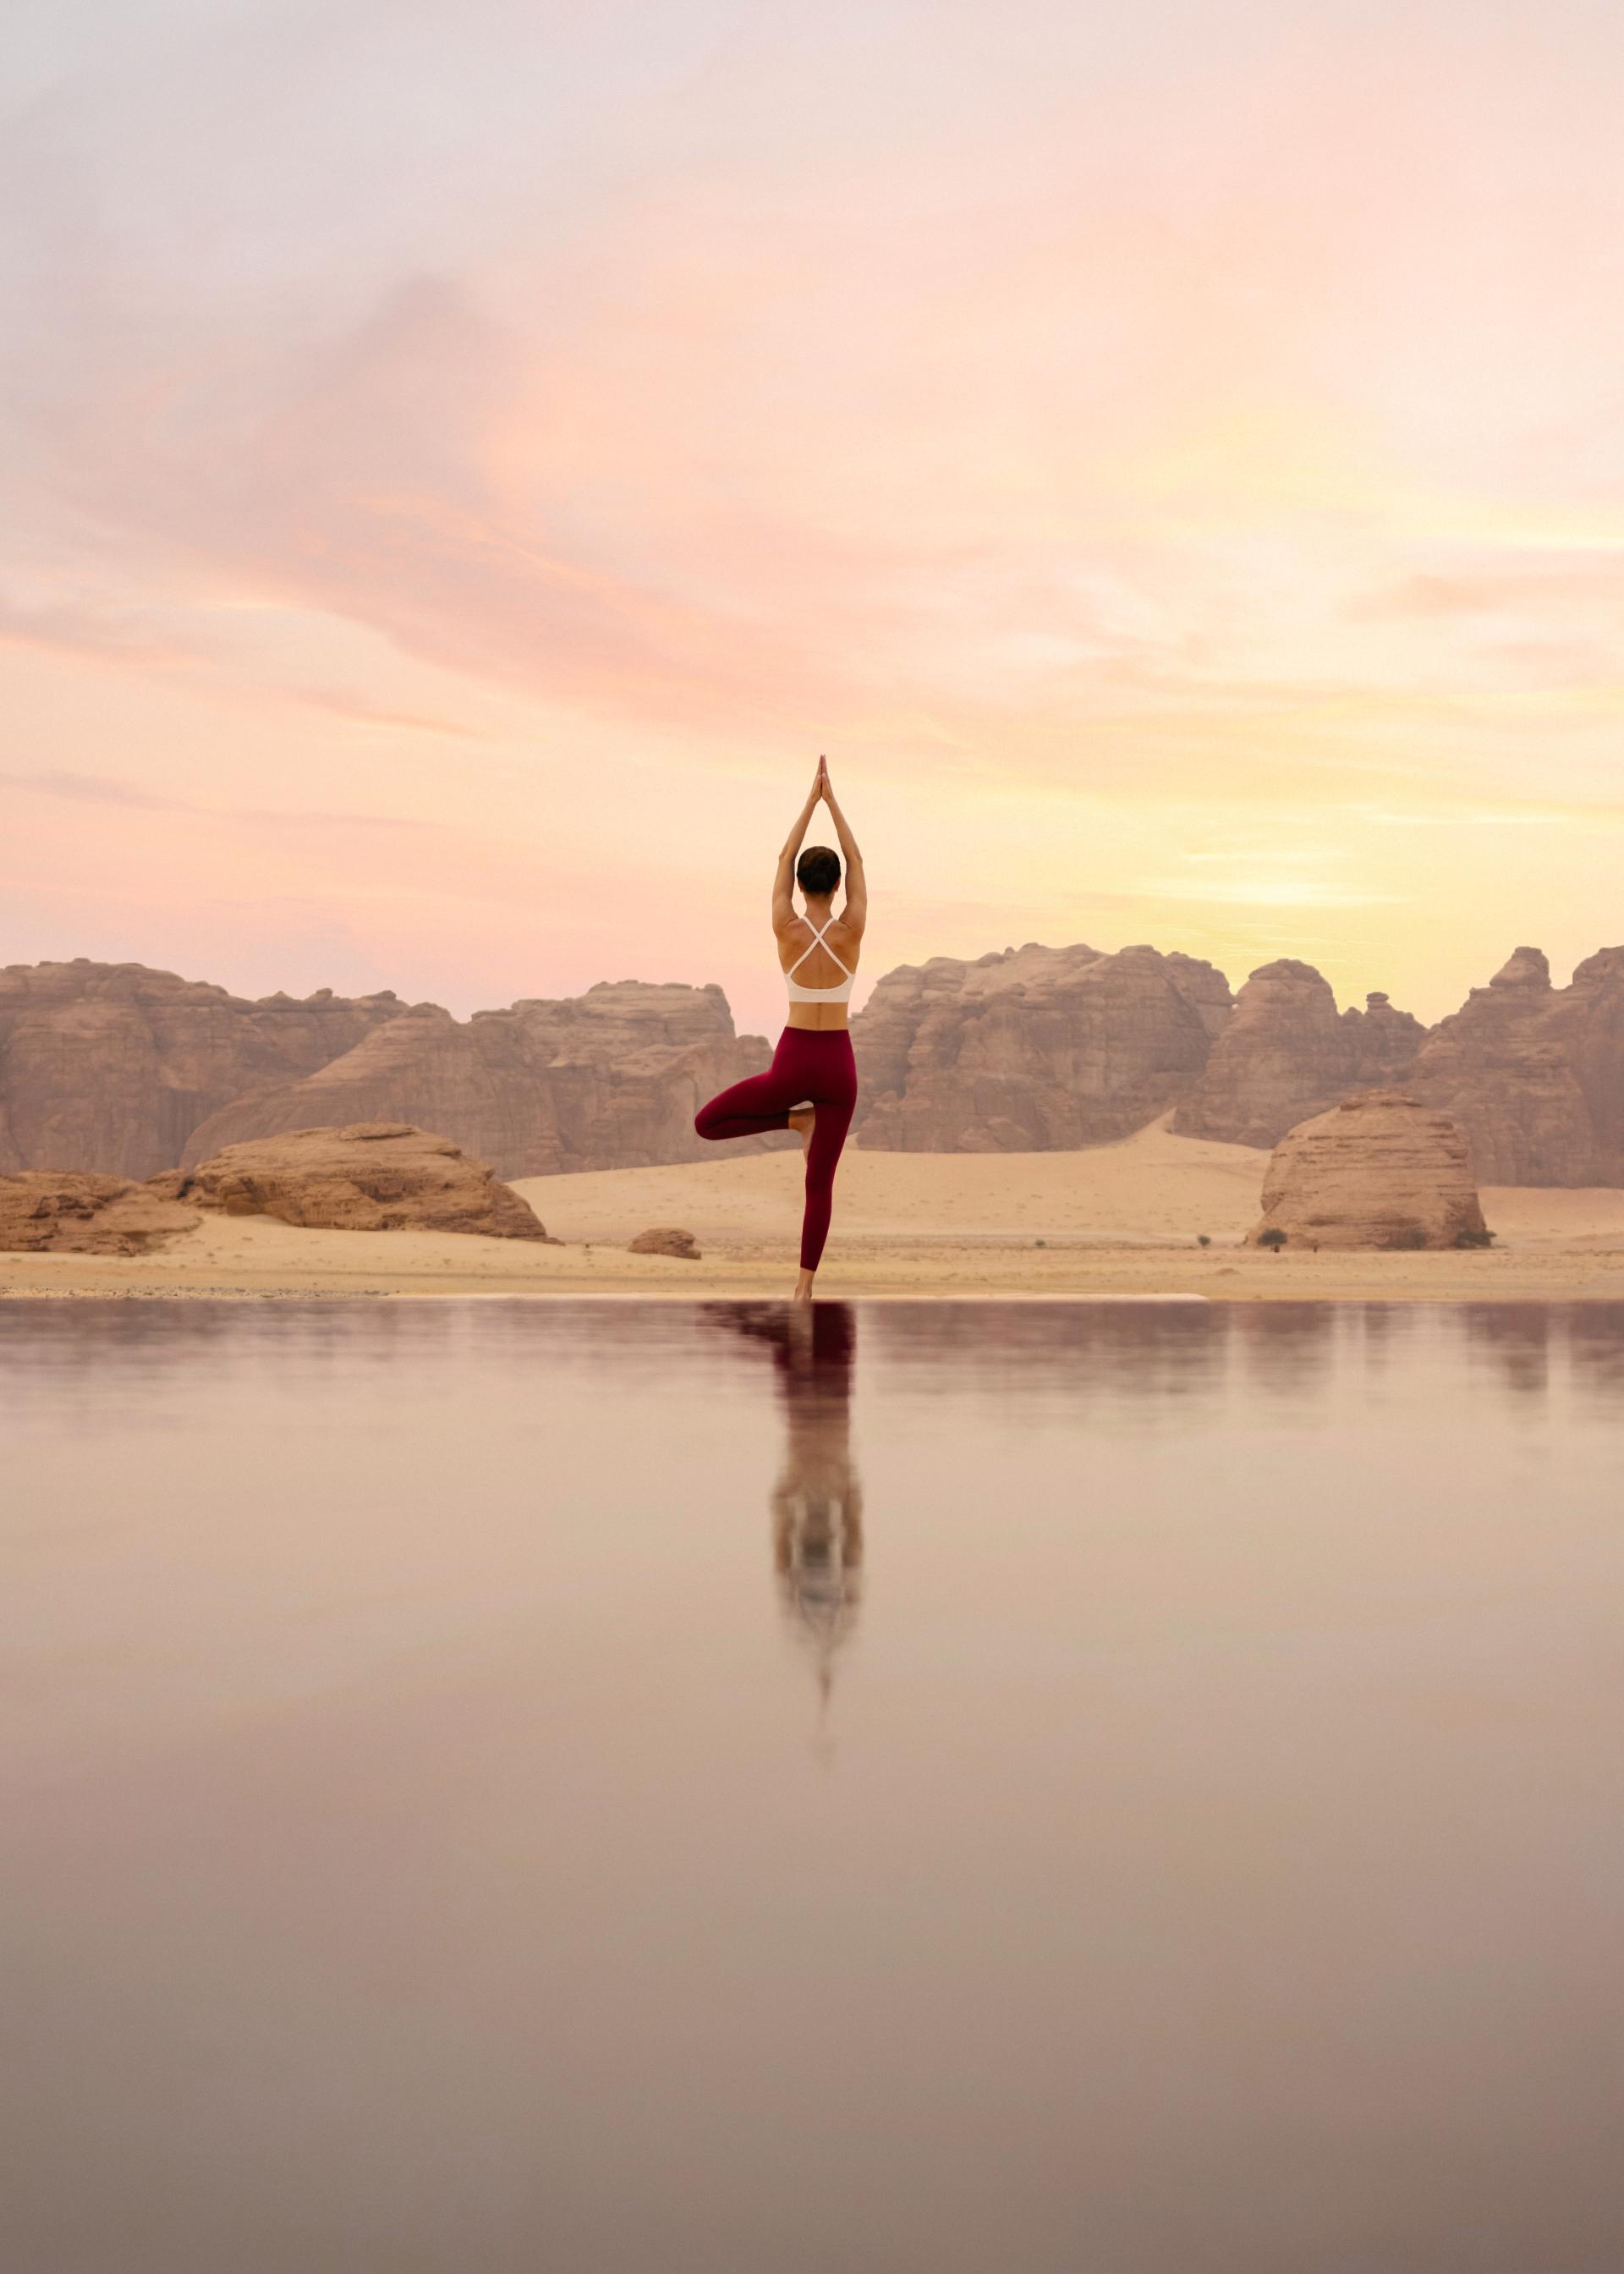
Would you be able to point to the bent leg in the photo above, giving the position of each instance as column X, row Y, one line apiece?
column 829, row 1128
column 750, row 1107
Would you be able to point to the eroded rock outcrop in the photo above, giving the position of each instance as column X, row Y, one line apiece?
column 608, row 1080
column 665, row 1240
column 1288, row 1053
column 122, row 1071
column 1036, row 1049
column 1535, row 1074
column 1378, row 1171
column 110, row 1067
column 66, row 1211
column 377, row 1176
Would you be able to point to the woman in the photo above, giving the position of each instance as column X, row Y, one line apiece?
column 811, row 1084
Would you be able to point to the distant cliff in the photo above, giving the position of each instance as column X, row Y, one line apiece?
column 608, row 1080
column 1043, row 1048
column 1535, row 1074
column 1037, row 1050
column 1288, row 1053
column 115, row 1069
column 110, row 1067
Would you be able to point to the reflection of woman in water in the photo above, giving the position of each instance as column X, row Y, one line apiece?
column 811, row 1084
column 817, row 1534
column 816, row 1503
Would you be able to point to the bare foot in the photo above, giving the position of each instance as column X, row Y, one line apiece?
column 803, row 1288
column 801, row 1120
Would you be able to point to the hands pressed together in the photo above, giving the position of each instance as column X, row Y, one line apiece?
column 822, row 791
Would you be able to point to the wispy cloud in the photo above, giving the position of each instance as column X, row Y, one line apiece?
column 103, row 790
column 121, row 633
column 369, row 714
column 92, row 789
column 1560, row 582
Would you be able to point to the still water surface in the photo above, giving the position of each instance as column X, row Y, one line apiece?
column 605, row 1788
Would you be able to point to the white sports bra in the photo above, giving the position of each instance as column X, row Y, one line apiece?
column 839, row 993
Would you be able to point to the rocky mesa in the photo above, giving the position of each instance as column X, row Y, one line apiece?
column 1535, row 1074
column 1036, row 1049
column 1288, row 1053
column 121, row 1071
column 608, row 1080
column 109, row 1067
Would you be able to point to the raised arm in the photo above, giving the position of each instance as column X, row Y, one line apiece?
column 783, row 905
column 854, row 915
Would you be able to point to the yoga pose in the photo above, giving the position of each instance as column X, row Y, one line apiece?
column 811, row 1084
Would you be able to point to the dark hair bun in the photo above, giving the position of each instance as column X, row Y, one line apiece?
column 818, row 870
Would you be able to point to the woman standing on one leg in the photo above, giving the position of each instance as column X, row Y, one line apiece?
column 811, row 1084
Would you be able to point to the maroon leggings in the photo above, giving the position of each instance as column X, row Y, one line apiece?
column 808, row 1068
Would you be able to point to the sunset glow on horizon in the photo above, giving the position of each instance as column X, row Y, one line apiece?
column 464, row 466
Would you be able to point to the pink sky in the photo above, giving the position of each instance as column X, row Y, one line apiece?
column 462, row 464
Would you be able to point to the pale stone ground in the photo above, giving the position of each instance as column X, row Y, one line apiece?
column 1119, row 1220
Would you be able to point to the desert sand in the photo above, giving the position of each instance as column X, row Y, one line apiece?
column 1116, row 1220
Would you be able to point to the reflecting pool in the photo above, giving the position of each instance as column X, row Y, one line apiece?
column 610, row 1787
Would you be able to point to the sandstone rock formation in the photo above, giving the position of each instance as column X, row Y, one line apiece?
column 123, row 1070
column 378, row 1176
column 665, row 1240
column 608, row 1080
column 1378, row 1171
column 1534, row 1073
column 110, row 1067
column 1036, row 1049
column 1287, row 1053
column 65, row 1211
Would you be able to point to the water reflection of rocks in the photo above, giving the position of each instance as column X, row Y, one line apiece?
column 816, row 1500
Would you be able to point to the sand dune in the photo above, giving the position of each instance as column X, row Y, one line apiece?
column 1152, row 1186
column 1120, row 1220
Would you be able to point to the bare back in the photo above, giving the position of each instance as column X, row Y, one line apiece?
column 818, row 968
